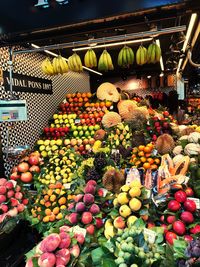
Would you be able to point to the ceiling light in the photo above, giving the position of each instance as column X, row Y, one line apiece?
column 56, row 55
column 187, row 38
column 162, row 74
column 149, row 77
column 161, row 58
column 114, row 44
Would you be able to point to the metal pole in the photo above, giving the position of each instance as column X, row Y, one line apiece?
column 10, row 63
column 106, row 39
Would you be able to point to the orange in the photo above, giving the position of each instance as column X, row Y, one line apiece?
column 59, row 216
column 80, row 99
column 145, row 217
column 52, row 198
column 70, row 100
column 137, row 162
column 134, row 150
column 69, row 197
column 57, row 191
column 47, row 212
column 49, row 192
column 150, row 145
column 85, row 99
column 96, row 105
column 52, row 217
column 143, row 159
column 84, row 95
column 78, row 95
column 147, row 149
column 92, row 104
column 62, row 201
column 146, row 165
column 68, row 95
column 147, row 155
column 56, row 210
column 141, row 147
column 39, row 209
column 42, row 201
column 108, row 104
column 47, row 204
column 150, row 160
column 46, row 197
column 45, row 219
column 141, row 154
column 58, row 185
column 154, row 166
column 157, row 161
column 89, row 94
column 102, row 104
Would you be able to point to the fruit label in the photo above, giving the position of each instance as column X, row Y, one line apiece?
column 77, row 121
column 79, row 230
column 115, row 151
column 196, row 200
column 154, row 152
column 67, row 186
column 151, row 235
column 132, row 174
column 105, row 191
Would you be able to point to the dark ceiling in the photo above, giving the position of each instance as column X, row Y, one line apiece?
column 141, row 20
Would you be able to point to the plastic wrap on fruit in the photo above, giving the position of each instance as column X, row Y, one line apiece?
column 132, row 174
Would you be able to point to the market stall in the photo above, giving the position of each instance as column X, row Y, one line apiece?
column 100, row 144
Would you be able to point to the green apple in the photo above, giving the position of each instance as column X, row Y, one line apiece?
column 96, row 127
column 52, row 125
column 85, row 127
column 48, row 148
column 87, row 133
column 59, row 142
column 71, row 121
column 70, row 116
column 61, row 121
column 42, row 147
column 40, row 142
column 57, row 125
column 91, row 127
column 81, row 133
column 67, row 142
column 46, row 142
column 66, row 120
column 80, row 128
column 75, row 133
column 54, row 147
column 92, row 133
column 52, row 142
column 67, row 125
column 73, row 127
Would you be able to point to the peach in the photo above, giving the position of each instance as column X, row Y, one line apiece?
column 20, row 207
column 18, row 195
column 91, row 182
column 10, row 193
column 88, row 199
column 9, row 185
column 94, row 209
column 80, row 207
column 90, row 229
column 3, row 181
column 2, row 189
column 119, row 223
column 4, row 208
column 90, row 189
column 62, row 257
column 86, row 217
column 50, row 243
column 70, row 206
column 78, row 197
column 73, row 218
column 75, row 251
column 14, row 202
column 47, row 260
column 65, row 240
column 65, row 228
column 2, row 199
column 80, row 238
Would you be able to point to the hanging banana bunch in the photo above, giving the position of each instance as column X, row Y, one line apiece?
column 141, row 55
column 60, row 65
column 90, row 59
column 153, row 53
column 75, row 63
column 125, row 57
column 105, row 62
column 47, row 67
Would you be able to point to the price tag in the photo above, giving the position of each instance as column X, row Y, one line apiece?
column 133, row 174
column 79, row 230
column 77, row 121
column 151, row 235
column 67, row 186
column 196, row 200
column 114, row 151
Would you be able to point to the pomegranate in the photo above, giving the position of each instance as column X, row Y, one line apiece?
column 179, row 227
column 34, row 168
column 173, row 205
column 33, row 160
column 23, row 167
column 187, row 217
column 180, row 196
column 170, row 236
column 190, row 205
column 171, row 219
column 26, row 177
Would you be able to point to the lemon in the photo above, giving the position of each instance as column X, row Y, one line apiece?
column 44, row 154
column 47, row 177
column 40, row 142
column 125, row 211
column 58, row 142
column 58, row 169
column 125, row 188
column 135, row 204
column 122, row 198
column 52, row 142
column 135, row 192
column 64, row 181
column 115, row 202
column 135, row 183
column 58, row 177
column 42, row 147
column 54, row 147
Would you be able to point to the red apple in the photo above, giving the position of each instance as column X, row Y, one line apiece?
column 23, row 167
column 90, row 229
column 26, row 177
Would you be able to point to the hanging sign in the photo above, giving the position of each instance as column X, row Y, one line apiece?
column 24, row 83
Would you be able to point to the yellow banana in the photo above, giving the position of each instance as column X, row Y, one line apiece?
column 91, row 59
column 78, row 61
column 105, row 61
column 153, row 54
column 138, row 56
column 94, row 57
column 47, row 67
column 87, row 59
column 158, row 53
column 63, row 65
column 75, row 63
column 70, row 62
column 109, row 60
column 131, row 55
column 101, row 65
column 145, row 54
column 54, row 63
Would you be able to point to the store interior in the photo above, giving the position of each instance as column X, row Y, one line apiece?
column 99, row 133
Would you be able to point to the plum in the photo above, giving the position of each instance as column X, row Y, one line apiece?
column 88, row 199
column 94, row 209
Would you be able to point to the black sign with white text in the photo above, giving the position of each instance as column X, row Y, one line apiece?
column 24, row 83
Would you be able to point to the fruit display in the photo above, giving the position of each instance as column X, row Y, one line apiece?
column 60, row 168
column 74, row 63
column 63, row 120
column 125, row 57
column 48, row 147
column 133, row 247
column 119, row 135
column 141, row 55
column 58, row 65
column 145, row 156
column 129, row 206
column 57, row 249
column 105, row 62
column 90, row 59
column 12, row 199
column 181, row 217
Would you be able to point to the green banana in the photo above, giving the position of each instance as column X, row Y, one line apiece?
column 124, row 58
column 149, row 52
column 109, row 60
column 87, row 59
column 120, row 58
column 138, row 56
column 128, row 56
column 94, row 58
column 101, row 66
column 131, row 55
column 158, row 53
column 105, row 60
column 153, row 54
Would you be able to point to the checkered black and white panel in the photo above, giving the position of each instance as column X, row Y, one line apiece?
column 41, row 107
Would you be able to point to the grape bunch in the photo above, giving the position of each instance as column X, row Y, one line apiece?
column 193, row 253
column 100, row 161
column 92, row 174
column 116, row 158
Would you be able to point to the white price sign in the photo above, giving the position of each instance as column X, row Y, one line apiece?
column 79, row 230
column 151, row 235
